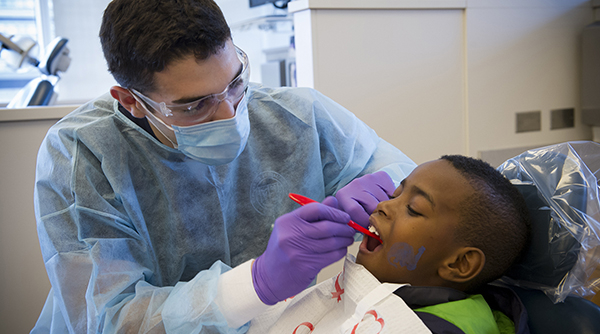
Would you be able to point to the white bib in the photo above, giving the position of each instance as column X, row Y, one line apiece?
column 353, row 302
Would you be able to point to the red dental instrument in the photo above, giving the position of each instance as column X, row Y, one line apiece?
column 303, row 200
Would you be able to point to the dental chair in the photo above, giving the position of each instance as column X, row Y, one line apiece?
column 39, row 91
column 560, row 186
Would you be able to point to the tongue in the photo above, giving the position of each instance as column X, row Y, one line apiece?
column 372, row 243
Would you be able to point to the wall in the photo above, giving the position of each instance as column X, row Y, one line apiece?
column 447, row 79
column 87, row 76
column 522, row 56
column 24, row 284
column 399, row 70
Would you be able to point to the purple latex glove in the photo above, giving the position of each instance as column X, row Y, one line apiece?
column 360, row 197
column 302, row 243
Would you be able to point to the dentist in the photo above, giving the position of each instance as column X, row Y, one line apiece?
column 147, row 197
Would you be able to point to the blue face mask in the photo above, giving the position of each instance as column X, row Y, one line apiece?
column 212, row 143
column 217, row 142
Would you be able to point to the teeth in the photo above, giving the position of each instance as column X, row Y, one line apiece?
column 373, row 230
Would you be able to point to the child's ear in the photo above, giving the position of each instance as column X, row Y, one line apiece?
column 463, row 265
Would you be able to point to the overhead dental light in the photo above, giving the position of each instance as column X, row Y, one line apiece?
column 21, row 50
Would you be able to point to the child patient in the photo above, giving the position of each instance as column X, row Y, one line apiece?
column 452, row 226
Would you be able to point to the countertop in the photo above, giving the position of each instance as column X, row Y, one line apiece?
column 35, row 113
column 298, row 5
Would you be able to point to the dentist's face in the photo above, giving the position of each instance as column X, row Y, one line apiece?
column 417, row 226
column 188, row 79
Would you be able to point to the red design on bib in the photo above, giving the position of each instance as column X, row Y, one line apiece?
column 307, row 324
column 338, row 289
column 368, row 324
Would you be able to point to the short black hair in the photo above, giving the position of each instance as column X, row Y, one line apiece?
column 495, row 219
column 142, row 37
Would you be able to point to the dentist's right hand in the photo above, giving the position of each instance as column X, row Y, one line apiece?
column 302, row 243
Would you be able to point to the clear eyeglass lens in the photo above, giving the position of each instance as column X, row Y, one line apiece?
column 233, row 91
column 202, row 109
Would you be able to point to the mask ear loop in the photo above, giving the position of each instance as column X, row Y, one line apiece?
column 159, row 124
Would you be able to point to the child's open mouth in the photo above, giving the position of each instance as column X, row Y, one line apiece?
column 371, row 243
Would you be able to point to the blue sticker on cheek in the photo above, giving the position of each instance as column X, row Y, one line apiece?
column 403, row 255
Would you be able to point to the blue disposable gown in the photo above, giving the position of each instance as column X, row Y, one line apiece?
column 134, row 234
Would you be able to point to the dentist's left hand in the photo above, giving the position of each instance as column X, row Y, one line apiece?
column 360, row 197
column 302, row 243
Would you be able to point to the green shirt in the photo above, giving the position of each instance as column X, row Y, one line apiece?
column 472, row 315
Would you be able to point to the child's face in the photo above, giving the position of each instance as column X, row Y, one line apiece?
column 417, row 226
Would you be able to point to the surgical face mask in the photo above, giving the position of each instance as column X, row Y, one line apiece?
column 212, row 143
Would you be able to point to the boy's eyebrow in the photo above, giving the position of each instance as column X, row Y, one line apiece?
column 420, row 192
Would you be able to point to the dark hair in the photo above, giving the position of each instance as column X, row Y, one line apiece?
column 495, row 219
column 142, row 37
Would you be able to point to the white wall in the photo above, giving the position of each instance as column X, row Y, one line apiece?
column 523, row 56
column 443, row 80
column 23, row 280
column 87, row 76
column 400, row 70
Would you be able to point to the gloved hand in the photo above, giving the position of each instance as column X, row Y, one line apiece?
column 302, row 243
column 360, row 197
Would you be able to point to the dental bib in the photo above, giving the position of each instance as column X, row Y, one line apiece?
column 353, row 302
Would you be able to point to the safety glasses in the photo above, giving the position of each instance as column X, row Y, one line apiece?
column 202, row 109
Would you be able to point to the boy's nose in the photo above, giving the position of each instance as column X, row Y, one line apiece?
column 386, row 208
column 380, row 209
